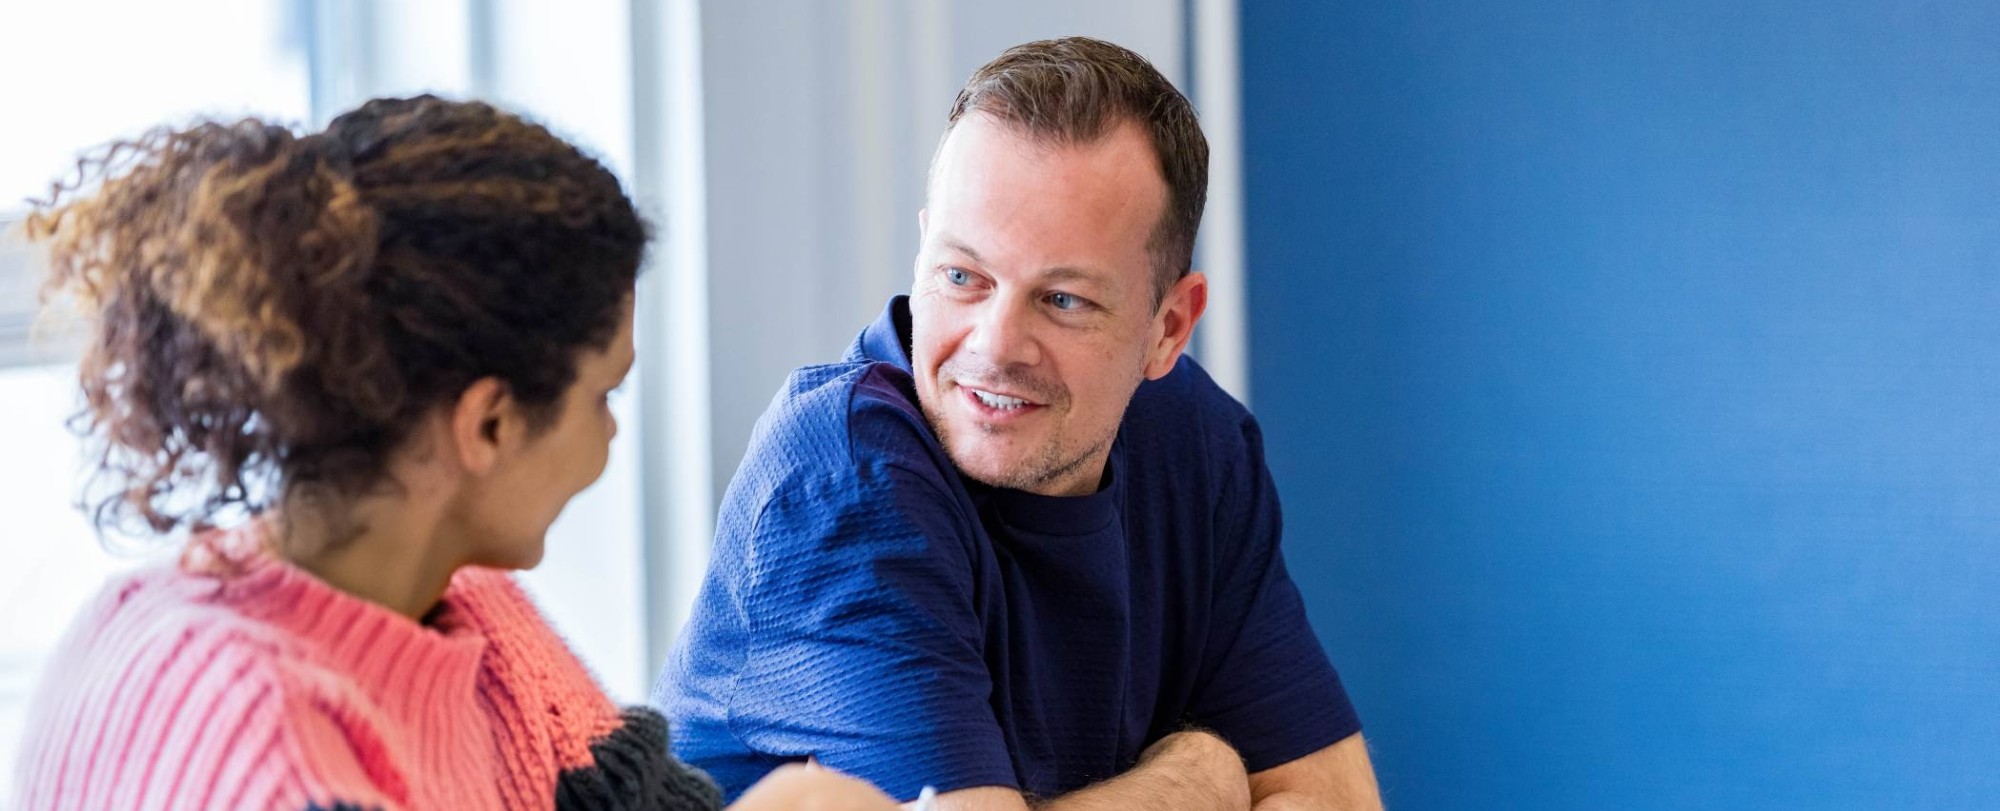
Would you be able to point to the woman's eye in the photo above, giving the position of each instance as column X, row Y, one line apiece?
column 957, row 276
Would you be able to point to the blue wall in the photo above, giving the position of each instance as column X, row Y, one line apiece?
column 1631, row 374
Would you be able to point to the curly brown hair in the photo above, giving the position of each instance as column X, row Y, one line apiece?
column 273, row 312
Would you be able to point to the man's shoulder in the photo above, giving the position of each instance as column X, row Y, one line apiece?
column 1187, row 412
column 837, row 420
column 844, row 410
column 841, row 471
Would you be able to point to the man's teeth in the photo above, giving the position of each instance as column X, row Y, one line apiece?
column 999, row 401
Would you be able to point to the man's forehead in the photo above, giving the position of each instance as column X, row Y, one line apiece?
column 1102, row 186
column 980, row 144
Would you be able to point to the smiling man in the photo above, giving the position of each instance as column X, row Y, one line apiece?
column 1016, row 546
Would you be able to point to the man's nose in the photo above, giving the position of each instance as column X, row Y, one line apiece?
column 1003, row 333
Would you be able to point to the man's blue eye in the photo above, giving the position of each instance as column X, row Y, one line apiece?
column 957, row 276
column 1065, row 301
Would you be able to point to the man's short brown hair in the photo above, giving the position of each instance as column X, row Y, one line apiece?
column 1075, row 90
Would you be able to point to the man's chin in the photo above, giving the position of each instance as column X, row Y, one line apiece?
column 986, row 467
column 981, row 469
column 996, row 459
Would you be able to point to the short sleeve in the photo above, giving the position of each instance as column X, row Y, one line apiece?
column 1267, row 687
column 864, row 645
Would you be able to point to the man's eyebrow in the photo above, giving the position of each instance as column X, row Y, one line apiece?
column 1070, row 274
column 953, row 244
column 1059, row 273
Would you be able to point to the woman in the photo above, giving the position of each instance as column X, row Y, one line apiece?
column 381, row 355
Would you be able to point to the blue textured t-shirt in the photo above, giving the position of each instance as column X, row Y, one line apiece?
column 868, row 606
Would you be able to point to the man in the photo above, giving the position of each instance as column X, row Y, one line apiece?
column 1015, row 546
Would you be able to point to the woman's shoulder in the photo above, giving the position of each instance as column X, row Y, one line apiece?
column 162, row 668
column 163, row 615
column 155, row 645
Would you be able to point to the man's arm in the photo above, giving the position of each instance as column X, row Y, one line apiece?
column 1185, row 771
column 1196, row 770
column 1267, row 685
column 1337, row 777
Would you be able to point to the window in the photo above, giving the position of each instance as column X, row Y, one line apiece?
column 85, row 72
column 100, row 71
column 112, row 69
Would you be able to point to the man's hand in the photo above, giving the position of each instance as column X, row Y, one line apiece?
column 798, row 787
column 1197, row 771
column 1185, row 771
column 1337, row 778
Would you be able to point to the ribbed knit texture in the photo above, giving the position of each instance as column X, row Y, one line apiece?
column 265, row 688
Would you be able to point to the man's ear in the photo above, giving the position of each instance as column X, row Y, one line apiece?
column 1174, row 324
column 481, row 421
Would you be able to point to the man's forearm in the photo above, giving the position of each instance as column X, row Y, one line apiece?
column 1188, row 771
column 1337, row 778
column 1285, row 801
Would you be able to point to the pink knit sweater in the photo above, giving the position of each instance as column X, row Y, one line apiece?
column 266, row 688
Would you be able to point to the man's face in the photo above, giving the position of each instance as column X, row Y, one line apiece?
column 1032, row 308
